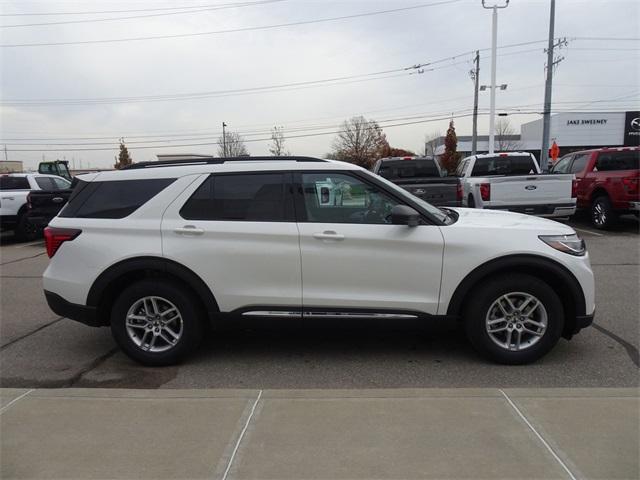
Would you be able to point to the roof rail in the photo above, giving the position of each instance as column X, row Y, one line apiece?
column 217, row 161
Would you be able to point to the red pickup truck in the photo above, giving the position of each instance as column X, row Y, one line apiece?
column 606, row 182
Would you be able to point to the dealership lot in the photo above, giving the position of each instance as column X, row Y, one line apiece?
column 39, row 349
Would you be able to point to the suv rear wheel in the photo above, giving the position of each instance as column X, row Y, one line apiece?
column 156, row 322
column 514, row 319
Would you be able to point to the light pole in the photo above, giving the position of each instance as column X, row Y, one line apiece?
column 224, row 139
column 494, row 41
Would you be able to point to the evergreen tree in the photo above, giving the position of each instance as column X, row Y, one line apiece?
column 124, row 158
column 450, row 158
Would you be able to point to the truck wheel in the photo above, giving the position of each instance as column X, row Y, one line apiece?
column 471, row 203
column 602, row 214
column 514, row 319
column 25, row 230
column 156, row 322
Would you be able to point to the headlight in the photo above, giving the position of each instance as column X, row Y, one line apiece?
column 571, row 244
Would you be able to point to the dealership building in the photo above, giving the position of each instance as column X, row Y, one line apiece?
column 570, row 131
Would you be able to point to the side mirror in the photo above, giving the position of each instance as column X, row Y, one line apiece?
column 404, row 215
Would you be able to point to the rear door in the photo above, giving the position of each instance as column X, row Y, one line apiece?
column 353, row 260
column 13, row 194
column 237, row 232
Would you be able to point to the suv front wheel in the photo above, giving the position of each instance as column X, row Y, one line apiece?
column 156, row 322
column 514, row 319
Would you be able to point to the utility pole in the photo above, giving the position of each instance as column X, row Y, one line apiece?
column 475, row 75
column 494, row 46
column 224, row 139
column 551, row 63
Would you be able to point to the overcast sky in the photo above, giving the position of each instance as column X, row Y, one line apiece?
column 597, row 73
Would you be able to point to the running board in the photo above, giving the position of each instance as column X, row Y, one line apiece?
column 320, row 314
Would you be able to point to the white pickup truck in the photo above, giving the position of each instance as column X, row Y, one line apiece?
column 14, row 189
column 513, row 181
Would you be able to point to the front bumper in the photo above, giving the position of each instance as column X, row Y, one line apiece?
column 79, row 313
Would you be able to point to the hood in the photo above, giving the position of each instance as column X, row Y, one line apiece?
column 475, row 217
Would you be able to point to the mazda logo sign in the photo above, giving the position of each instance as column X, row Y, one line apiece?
column 635, row 123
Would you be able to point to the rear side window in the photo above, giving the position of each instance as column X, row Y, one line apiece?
column 45, row 183
column 507, row 165
column 113, row 199
column 14, row 183
column 610, row 161
column 401, row 169
column 260, row 197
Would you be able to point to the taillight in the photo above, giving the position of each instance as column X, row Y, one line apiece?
column 630, row 184
column 54, row 237
column 485, row 191
column 574, row 188
column 459, row 192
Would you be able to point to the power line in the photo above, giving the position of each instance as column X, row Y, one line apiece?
column 94, row 12
column 233, row 30
column 110, row 19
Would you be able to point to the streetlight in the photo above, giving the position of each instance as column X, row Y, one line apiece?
column 494, row 41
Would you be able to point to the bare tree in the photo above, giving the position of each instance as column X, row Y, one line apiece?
column 234, row 145
column 359, row 141
column 431, row 142
column 277, row 147
column 504, row 139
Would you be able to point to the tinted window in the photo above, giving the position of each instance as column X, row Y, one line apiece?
column 403, row 169
column 340, row 198
column 61, row 183
column 114, row 199
column 628, row 160
column 250, row 197
column 580, row 162
column 14, row 183
column 563, row 165
column 45, row 183
column 507, row 165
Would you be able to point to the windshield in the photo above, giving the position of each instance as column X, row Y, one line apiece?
column 401, row 169
column 433, row 211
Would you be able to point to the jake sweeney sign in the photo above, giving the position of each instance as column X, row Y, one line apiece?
column 587, row 121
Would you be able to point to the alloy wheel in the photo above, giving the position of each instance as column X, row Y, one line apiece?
column 154, row 324
column 516, row 321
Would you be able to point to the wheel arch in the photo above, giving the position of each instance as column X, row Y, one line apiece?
column 598, row 192
column 553, row 273
column 117, row 277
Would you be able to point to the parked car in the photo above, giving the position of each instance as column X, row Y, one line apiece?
column 607, row 182
column 513, row 181
column 43, row 205
column 155, row 250
column 423, row 177
column 14, row 190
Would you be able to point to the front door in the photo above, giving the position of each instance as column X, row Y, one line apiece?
column 354, row 259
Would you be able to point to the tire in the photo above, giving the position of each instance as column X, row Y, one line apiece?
column 483, row 307
column 603, row 216
column 146, row 337
column 25, row 230
column 471, row 203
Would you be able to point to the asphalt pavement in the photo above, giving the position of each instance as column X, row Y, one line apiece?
column 38, row 349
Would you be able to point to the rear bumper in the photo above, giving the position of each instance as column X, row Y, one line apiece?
column 542, row 210
column 73, row 311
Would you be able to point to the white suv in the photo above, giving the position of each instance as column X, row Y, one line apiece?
column 156, row 250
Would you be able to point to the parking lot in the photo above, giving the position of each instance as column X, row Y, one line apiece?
column 40, row 350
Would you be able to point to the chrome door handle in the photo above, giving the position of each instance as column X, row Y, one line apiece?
column 328, row 235
column 189, row 230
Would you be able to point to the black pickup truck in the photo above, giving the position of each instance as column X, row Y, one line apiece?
column 422, row 177
column 43, row 205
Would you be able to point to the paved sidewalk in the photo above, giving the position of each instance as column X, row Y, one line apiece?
column 320, row 434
